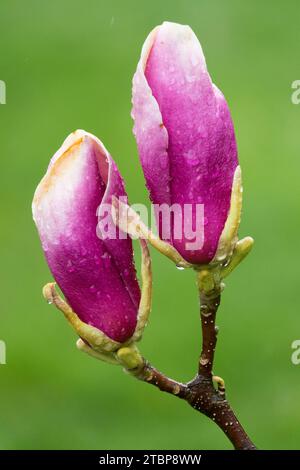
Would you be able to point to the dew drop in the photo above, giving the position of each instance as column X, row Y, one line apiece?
column 45, row 246
column 70, row 267
column 191, row 157
column 163, row 161
column 180, row 268
column 106, row 259
column 194, row 60
column 97, row 260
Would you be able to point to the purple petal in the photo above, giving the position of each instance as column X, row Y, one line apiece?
column 173, row 80
column 97, row 276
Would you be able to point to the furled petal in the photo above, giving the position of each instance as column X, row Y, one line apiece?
column 96, row 274
column 184, row 133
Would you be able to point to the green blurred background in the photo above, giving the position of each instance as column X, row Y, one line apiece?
column 68, row 65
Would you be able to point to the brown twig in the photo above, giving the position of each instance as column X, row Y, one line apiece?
column 200, row 392
column 153, row 376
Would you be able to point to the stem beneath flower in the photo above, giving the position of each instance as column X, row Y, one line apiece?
column 200, row 392
column 149, row 374
column 208, row 309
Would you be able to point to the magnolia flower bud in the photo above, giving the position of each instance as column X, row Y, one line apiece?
column 186, row 142
column 95, row 272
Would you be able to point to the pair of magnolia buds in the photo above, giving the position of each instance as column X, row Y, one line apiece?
column 188, row 152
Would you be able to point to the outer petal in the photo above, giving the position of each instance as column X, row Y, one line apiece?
column 150, row 133
column 201, row 149
column 97, row 276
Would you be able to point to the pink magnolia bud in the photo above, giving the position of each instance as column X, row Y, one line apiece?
column 96, row 274
column 186, row 141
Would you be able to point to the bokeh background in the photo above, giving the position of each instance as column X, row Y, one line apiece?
column 68, row 64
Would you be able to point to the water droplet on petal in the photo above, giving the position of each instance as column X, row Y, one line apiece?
column 194, row 60
column 70, row 266
column 45, row 246
column 191, row 157
column 163, row 161
column 97, row 260
column 106, row 259
column 83, row 261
